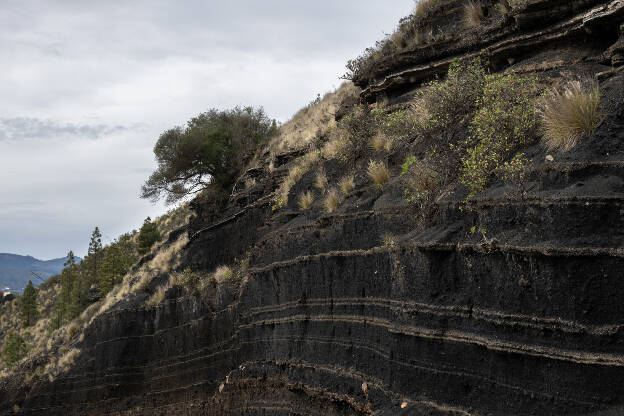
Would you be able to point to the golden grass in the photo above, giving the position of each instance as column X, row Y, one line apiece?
column 378, row 142
column 347, row 183
column 569, row 115
column 223, row 274
column 320, row 180
column 332, row 200
column 424, row 7
column 378, row 172
column 306, row 200
column 473, row 13
column 312, row 120
column 389, row 240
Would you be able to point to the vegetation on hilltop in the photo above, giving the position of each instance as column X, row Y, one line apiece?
column 211, row 150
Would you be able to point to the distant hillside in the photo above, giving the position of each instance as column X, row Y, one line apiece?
column 15, row 270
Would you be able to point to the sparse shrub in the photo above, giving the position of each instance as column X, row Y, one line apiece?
column 332, row 200
column 420, row 181
column 570, row 115
column 447, row 104
column 223, row 274
column 378, row 172
column 347, row 183
column 473, row 13
column 306, row 200
column 505, row 121
column 320, row 180
column 513, row 173
column 190, row 280
column 358, row 128
column 388, row 240
column 14, row 349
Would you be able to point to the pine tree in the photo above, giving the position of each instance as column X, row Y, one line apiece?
column 61, row 310
column 28, row 305
column 116, row 261
column 148, row 235
column 94, row 254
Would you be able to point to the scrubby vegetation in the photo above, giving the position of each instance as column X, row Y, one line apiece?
column 569, row 115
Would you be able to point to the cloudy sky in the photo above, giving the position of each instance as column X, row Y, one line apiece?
column 87, row 86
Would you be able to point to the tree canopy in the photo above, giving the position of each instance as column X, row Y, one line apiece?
column 210, row 149
column 148, row 235
column 28, row 305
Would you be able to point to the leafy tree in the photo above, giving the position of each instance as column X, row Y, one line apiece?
column 14, row 349
column 28, row 305
column 211, row 149
column 148, row 235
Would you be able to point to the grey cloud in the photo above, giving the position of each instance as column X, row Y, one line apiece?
column 21, row 128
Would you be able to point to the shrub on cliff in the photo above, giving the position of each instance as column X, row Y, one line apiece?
column 212, row 148
column 14, row 349
column 569, row 115
column 506, row 120
column 148, row 235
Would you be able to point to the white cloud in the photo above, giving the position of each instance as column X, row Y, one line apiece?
column 75, row 70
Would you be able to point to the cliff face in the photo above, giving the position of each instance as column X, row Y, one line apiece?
column 526, row 318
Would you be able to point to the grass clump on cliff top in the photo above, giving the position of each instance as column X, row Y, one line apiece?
column 569, row 115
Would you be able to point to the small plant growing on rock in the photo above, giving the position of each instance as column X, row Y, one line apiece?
column 332, row 200
column 347, row 183
column 513, row 173
column 223, row 274
column 306, row 200
column 378, row 172
column 190, row 280
column 320, row 180
column 473, row 13
column 569, row 115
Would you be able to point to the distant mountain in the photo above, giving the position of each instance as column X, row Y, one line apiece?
column 15, row 270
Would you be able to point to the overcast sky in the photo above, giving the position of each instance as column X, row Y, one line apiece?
column 87, row 86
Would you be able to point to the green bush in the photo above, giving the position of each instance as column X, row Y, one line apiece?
column 505, row 121
column 211, row 149
column 14, row 349
column 148, row 236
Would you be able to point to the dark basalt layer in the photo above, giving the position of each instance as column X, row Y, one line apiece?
column 526, row 318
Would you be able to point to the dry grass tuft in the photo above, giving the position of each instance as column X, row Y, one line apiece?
column 379, row 142
column 223, row 274
column 424, row 7
column 158, row 296
column 347, row 183
column 312, row 121
column 378, row 172
column 320, row 181
column 306, row 200
column 570, row 115
column 332, row 200
column 473, row 13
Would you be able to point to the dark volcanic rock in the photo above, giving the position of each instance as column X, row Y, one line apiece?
column 525, row 319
